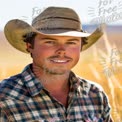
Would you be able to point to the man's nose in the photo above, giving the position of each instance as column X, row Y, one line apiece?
column 61, row 50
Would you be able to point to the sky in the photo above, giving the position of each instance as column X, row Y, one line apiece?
column 88, row 10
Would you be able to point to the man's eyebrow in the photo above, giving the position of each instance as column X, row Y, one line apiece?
column 74, row 39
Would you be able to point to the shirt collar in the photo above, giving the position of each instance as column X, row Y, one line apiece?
column 33, row 85
column 78, row 84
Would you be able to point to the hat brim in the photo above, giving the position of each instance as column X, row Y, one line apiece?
column 15, row 30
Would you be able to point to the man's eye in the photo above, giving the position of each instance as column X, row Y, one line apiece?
column 72, row 43
column 50, row 42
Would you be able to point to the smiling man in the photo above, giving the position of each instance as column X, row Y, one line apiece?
column 47, row 90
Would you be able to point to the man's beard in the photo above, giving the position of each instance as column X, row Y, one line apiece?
column 56, row 70
column 53, row 71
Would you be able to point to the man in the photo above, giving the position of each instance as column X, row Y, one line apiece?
column 47, row 90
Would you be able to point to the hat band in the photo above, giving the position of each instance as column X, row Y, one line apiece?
column 56, row 30
column 34, row 21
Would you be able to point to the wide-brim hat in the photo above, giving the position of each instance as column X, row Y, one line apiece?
column 53, row 21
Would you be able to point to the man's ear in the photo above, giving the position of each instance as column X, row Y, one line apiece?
column 29, row 47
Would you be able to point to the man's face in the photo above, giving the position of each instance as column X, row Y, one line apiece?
column 55, row 54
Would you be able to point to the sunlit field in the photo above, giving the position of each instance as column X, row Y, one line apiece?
column 101, row 64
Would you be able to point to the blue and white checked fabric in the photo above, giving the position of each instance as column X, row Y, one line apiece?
column 24, row 99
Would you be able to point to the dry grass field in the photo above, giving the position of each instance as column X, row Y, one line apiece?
column 101, row 63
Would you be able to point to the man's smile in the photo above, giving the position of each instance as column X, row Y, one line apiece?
column 60, row 60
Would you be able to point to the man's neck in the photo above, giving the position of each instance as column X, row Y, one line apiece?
column 53, row 82
column 57, row 85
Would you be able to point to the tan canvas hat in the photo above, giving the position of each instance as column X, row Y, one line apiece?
column 52, row 21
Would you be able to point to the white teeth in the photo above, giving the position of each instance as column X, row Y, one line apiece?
column 60, row 61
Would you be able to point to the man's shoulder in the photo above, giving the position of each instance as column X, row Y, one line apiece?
column 12, row 88
column 91, row 85
column 11, row 80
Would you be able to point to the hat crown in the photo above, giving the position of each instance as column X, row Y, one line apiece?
column 53, row 21
column 57, row 18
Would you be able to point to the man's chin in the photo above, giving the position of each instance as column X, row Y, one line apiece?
column 57, row 71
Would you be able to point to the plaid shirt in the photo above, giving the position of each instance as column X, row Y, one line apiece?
column 24, row 99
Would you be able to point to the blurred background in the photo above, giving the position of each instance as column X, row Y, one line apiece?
column 102, row 63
